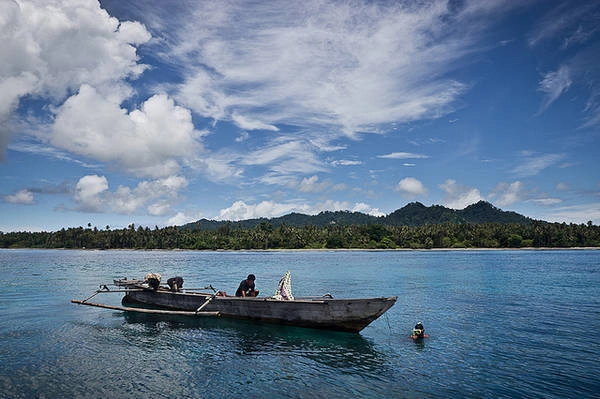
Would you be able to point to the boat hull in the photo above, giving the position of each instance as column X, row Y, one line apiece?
column 331, row 314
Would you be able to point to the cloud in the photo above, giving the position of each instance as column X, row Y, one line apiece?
column 346, row 162
column 159, row 208
column 403, row 155
column 92, row 195
column 247, row 124
column 331, row 205
column 240, row 210
column 161, row 194
column 572, row 29
column 508, row 193
column 533, row 164
column 312, row 185
column 23, row 197
column 546, row 201
column 458, row 196
column 11, row 90
column 411, row 187
column 242, row 137
column 284, row 158
column 554, row 84
column 368, row 209
column 50, row 49
column 220, row 166
column 182, row 218
column 88, row 193
column 146, row 142
column 318, row 63
column 593, row 119
column 589, row 75
column 505, row 194
column 568, row 23
column 581, row 213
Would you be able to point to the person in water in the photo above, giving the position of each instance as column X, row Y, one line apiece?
column 418, row 332
column 247, row 287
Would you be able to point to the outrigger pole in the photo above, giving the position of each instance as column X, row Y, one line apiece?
column 142, row 310
column 105, row 289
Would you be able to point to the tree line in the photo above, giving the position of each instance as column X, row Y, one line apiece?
column 537, row 234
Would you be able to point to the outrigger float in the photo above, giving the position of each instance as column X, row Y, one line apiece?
column 324, row 312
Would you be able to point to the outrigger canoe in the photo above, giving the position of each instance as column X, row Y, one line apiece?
column 323, row 312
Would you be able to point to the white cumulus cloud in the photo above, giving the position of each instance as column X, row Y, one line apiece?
column 147, row 142
column 51, row 47
column 366, row 208
column 23, row 197
column 182, row 218
column 92, row 194
column 411, row 187
column 88, row 193
column 458, row 196
column 313, row 185
column 239, row 210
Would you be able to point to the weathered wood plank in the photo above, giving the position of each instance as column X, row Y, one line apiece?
column 335, row 314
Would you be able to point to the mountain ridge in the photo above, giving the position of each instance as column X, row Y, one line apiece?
column 412, row 214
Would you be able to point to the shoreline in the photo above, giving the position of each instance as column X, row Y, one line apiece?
column 319, row 249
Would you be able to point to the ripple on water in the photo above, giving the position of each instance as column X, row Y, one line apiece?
column 501, row 325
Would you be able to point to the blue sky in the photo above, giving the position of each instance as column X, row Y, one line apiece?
column 162, row 113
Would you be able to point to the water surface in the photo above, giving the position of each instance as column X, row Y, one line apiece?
column 501, row 324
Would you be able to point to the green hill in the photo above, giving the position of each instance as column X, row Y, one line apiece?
column 414, row 226
column 413, row 214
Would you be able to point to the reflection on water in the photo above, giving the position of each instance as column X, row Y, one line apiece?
column 247, row 338
column 419, row 343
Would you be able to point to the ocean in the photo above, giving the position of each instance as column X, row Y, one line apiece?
column 502, row 324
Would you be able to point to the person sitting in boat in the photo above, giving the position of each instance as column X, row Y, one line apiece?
column 247, row 287
column 153, row 280
column 418, row 332
column 175, row 283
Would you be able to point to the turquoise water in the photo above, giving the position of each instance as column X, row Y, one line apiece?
column 502, row 324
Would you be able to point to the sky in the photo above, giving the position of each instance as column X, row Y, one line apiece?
column 163, row 113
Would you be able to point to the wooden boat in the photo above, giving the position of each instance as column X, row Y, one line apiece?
column 323, row 312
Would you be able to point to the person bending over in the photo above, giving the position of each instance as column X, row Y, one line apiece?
column 175, row 283
column 247, row 287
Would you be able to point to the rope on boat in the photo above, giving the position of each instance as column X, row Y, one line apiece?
column 91, row 296
column 103, row 288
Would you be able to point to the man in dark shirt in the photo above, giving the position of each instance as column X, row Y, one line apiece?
column 246, row 287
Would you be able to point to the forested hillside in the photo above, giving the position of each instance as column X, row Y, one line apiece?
column 414, row 226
